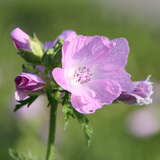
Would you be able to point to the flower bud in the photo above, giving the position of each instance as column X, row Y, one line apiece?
column 27, row 83
column 29, row 48
column 20, row 39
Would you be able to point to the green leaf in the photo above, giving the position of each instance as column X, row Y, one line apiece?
column 19, row 156
column 29, row 57
column 27, row 102
column 30, row 68
column 69, row 113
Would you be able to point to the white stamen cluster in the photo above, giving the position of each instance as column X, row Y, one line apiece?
column 82, row 75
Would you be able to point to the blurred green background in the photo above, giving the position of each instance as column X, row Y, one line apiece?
column 48, row 19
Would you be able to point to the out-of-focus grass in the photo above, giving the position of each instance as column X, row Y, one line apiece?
column 48, row 19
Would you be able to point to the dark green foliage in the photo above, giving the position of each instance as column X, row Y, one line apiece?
column 52, row 57
column 27, row 102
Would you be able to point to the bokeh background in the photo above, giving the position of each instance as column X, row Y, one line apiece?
column 114, row 137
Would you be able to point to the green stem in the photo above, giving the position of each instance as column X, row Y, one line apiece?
column 52, row 127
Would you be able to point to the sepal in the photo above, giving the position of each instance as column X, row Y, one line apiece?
column 29, row 57
column 52, row 57
column 36, row 46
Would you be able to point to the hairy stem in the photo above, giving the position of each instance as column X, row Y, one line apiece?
column 52, row 127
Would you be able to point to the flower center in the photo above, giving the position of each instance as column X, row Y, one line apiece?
column 82, row 75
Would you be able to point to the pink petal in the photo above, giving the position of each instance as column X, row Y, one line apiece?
column 68, row 35
column 21, row 95
column 58, row 75
column 83, row 105
column 32, row 77
column 69, row 49
column 120, row 76
column 104, row 91
column 96, row 94
column 20, row 39
column 119, row 53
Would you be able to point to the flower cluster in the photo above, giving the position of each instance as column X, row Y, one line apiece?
column 91, row 69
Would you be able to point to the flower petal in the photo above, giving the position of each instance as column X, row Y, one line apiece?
column 21, row 95
column 32, row 77
column 67, row 35
column 96, row 94
column 119, row 53
column 81, row 48
column 104, row 91
column 120, row 76
column 140, row 95
column 20, row 39
column 58, row 75
column 83, row 104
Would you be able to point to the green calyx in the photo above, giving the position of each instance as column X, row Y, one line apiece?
column 36, row 46
column 52, row 57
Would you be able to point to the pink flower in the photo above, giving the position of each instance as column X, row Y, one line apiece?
column 20, row 39
column 141, row 94
column 66, row 35
column 27, row 83
column 93, row 71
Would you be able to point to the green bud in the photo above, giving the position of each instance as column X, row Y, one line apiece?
column 36, row 46
column 35, row 53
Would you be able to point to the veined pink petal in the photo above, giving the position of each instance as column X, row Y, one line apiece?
column 84, row 104
column 120, row 76
column 95, row 95
column 119, row 53
column 69, row 49
column 104, row 91
column 58, row 75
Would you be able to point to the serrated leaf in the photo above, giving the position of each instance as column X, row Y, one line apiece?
column 19, row 156
column 27, row 102
column 84, row 122
column 69, row 112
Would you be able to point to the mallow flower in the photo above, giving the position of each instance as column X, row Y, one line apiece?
column 93, row 71
column 140, row 95
column 20, row 39
column 66, row 35
column 27, row 83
